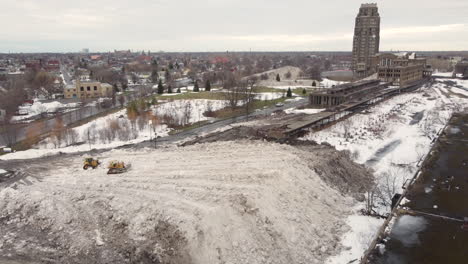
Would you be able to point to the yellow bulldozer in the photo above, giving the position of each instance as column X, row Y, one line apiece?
column 90, row 163
column 116, row 167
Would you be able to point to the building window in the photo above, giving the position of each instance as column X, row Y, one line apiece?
column 82, row 89
column 95, row 88
column 88, row 88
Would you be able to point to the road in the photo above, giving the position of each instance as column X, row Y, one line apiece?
column 66, row 75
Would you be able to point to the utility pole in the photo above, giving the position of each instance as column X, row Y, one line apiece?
column 150, row 124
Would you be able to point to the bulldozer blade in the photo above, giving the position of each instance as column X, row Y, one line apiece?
column 116, row 171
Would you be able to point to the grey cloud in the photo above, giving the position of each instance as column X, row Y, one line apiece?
column 218, row 25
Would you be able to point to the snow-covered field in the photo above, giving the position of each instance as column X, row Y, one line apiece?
column 225, row 202
column 391, row 138
column 268, row 96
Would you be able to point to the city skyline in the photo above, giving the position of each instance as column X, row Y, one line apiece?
column 103, row 25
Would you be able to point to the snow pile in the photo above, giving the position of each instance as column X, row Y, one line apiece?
column 39, row 108
column 178, row 204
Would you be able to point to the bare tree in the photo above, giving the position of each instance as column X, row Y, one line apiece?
column 43, row 80
column 390, row 181
column 58, row 132
column 235, row 90
column 249, row 93
column 70, row 136
column 33, row 131
column 121, row 100
column 9, row 101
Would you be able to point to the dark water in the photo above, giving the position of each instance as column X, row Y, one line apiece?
column 442, row 189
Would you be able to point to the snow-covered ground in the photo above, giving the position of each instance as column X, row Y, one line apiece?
column 355, row 242
column 116, row 129
column 268, row 96
column 191, row 109
column 303, row 111
column 442, row 74
column 391, row 138
column 325, row 83
column 446, row 74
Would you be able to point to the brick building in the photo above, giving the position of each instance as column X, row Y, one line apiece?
column 340, row 94
column 400, row 69
column 88, row 90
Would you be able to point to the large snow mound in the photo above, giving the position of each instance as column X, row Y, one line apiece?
column 224, row 202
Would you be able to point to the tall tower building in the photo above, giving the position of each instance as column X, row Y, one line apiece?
column 366, row 39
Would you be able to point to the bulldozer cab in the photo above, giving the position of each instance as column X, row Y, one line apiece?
column 90, row 162
column 116, row 167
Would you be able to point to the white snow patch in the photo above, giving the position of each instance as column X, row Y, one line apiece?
column 358, row 239
column 39, row 108
column 303, row 111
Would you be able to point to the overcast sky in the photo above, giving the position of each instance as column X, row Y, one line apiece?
column 220, row 25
